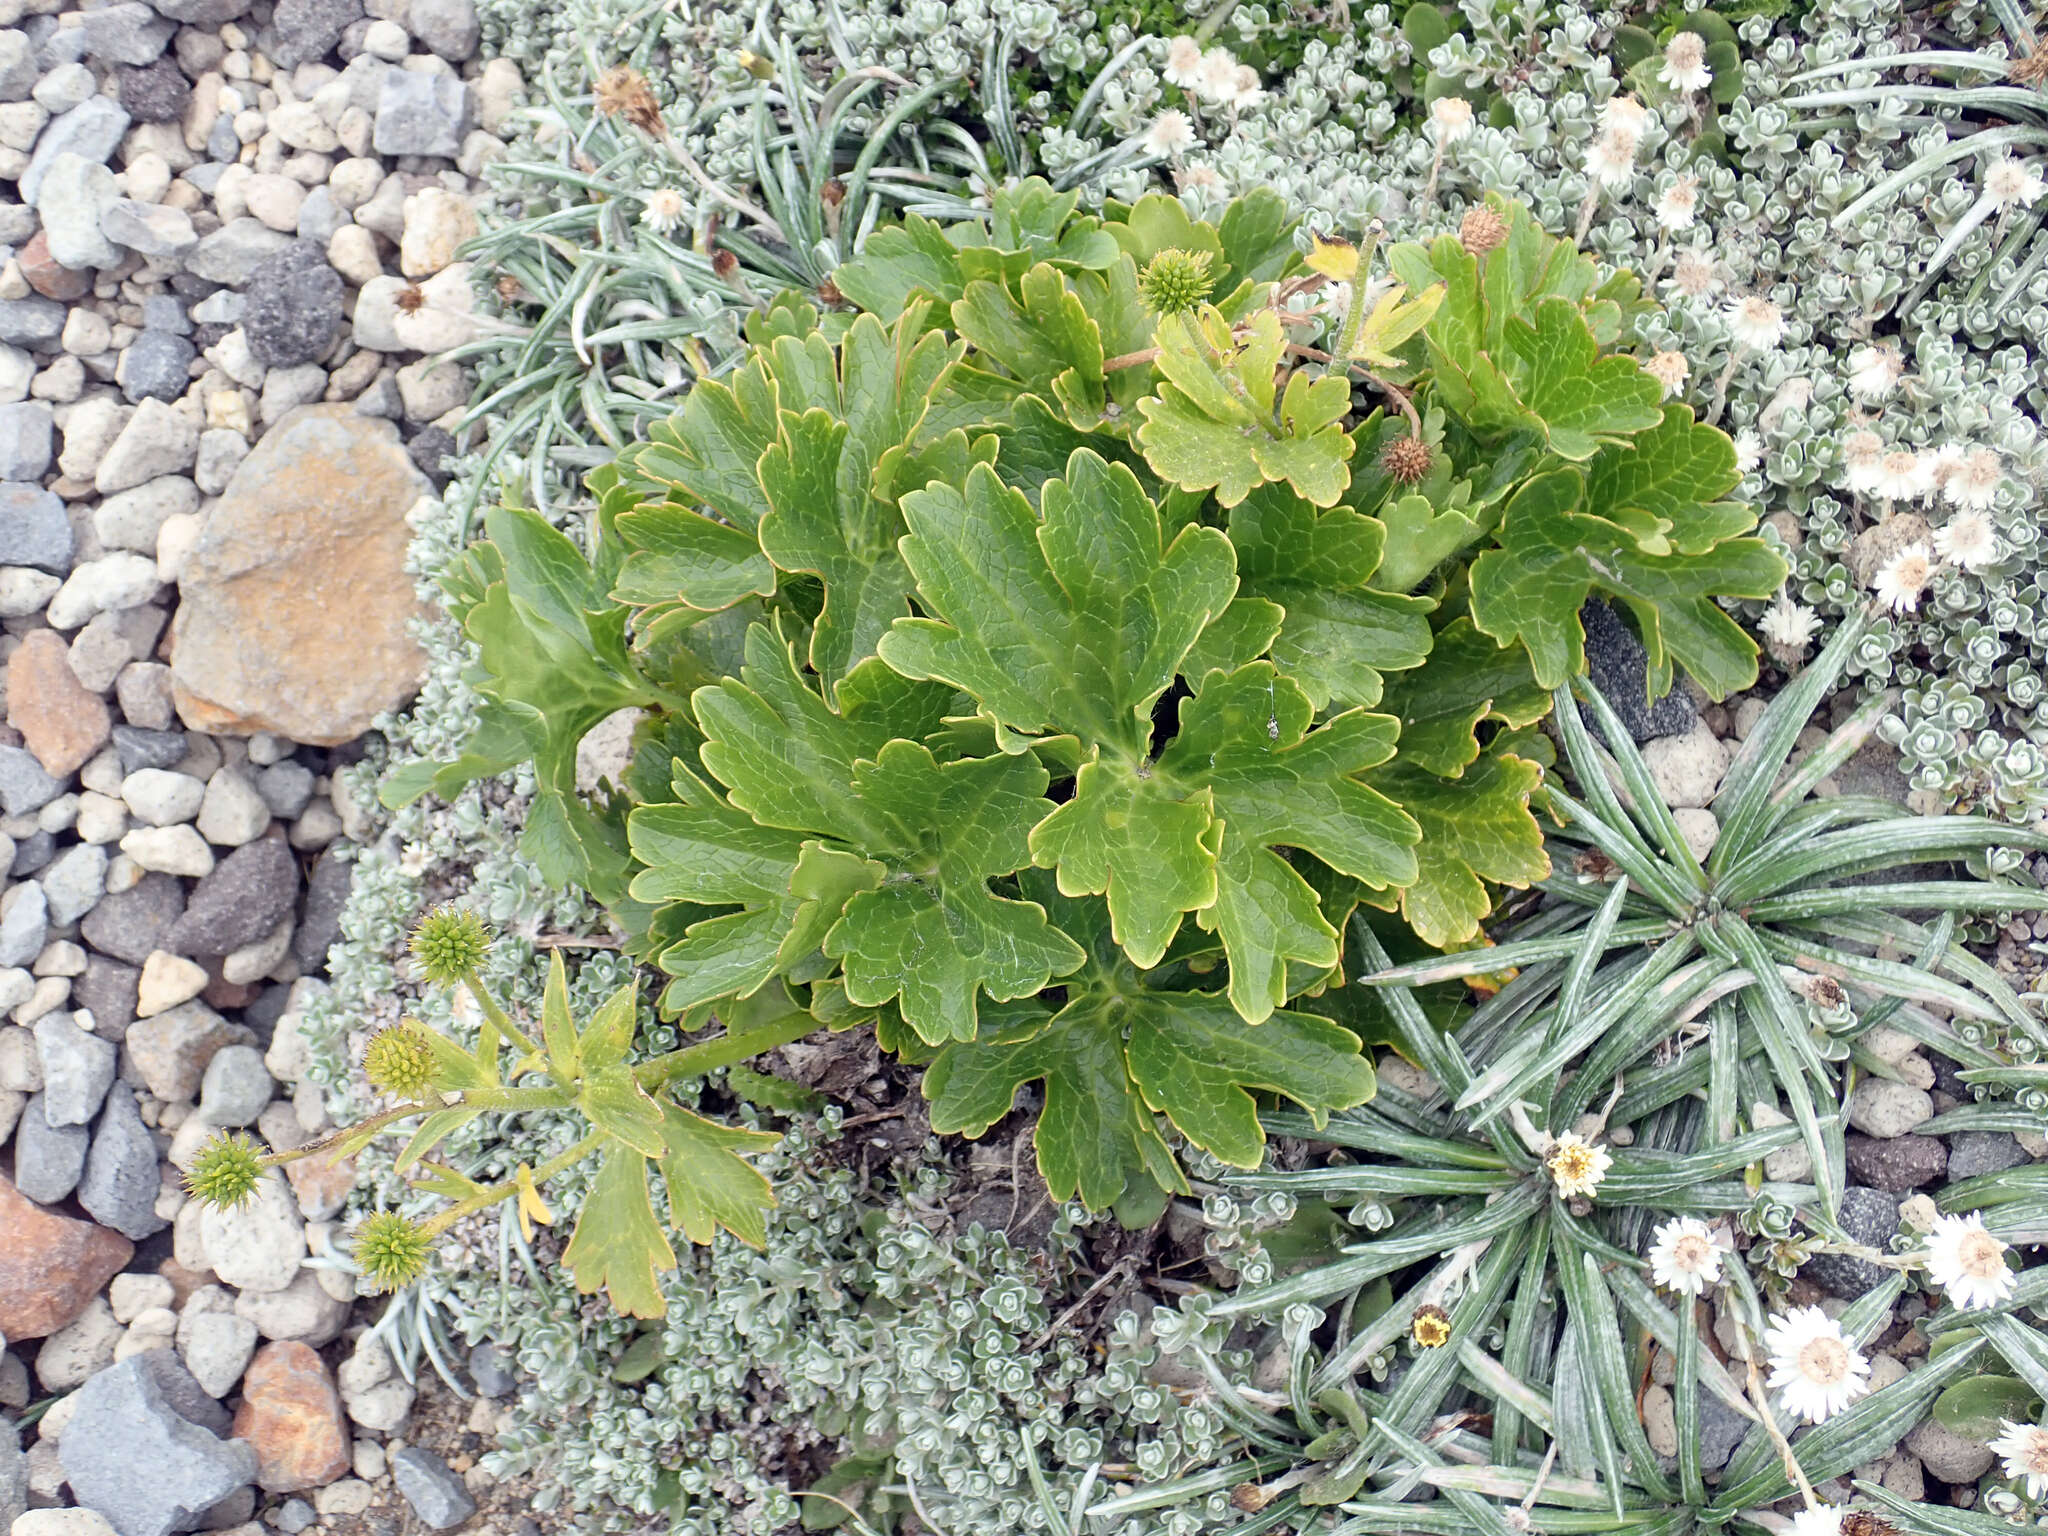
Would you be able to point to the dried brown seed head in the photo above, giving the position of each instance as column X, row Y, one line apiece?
column 1407, row 459
column 723, row 264
column 622, row 91
column 412, row 298
column 1481, row 230
column 829, row 294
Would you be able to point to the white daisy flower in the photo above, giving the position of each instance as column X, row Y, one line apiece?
column 1678, row 204
column 1170, row 133
column 2009, row 182
column 1451, row 116
column 1968, row 541
column 1613, row 158
column 1247, row 90
column 1694, row 274
column 1862, row 455
column 2025, row 1450
column 1903, row 475
column 1216, row 81
column 1624, row 114
column 1815, row 1371
column 1788, row 628
column 1874, row 372
column 664, row 210
column 1183, row 63
column 1974, row 482
column 1749, row 451
column 1199, row 178
column 1685, row 63
column 1670, row 370
column 1756, row 322
column 1968, row 1262
column 1684, row 1256
column 1577, row 1165
column 1901, row 580
column 1821, row 1520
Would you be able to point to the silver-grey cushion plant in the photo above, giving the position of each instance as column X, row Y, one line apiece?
column 1659, row 1006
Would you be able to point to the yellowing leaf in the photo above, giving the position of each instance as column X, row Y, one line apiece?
column 709, row 1185
column 618, row 1246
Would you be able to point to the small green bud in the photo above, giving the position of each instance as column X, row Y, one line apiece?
column 399, row 1061
column 226, row 1172
column 1175, row 281
column 449, row 943
column 390, row 1250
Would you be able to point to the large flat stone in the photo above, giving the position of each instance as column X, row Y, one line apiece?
column 294, row 606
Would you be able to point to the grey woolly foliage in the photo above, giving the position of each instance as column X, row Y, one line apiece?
column 856, row 1326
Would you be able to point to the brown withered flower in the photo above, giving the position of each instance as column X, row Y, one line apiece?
column 1407, row 459
column 412, row 298
column 510, row 289
column 622, row 91
column 1861, row 1522
column 1481, row 230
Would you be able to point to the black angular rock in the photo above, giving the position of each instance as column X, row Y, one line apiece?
column 320, row 921
column 1870, row 1217
column 1620, row 669
column 131, row 923
column 305, row 30
column 157, row 92
column 248, row 894
column 293, row 305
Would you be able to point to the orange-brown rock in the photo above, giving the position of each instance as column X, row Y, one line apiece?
column 322, row 1183
column 48, row 276
column 59, row 720
column 291, row 1415
column 50, row 1265
column 294, row 606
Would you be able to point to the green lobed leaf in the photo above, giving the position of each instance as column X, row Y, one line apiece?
column 1468, row 679
column 709, row 1183
column 1214, row 422
column 618, row 1246
column 1475, row 828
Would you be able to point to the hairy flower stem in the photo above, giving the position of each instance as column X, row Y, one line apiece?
column 496, row 1019
column 1720, row 401
column 1354, row 307
column 1436, row 169
column 1762, row 1401
column 727, row 1050
column 1586, row 209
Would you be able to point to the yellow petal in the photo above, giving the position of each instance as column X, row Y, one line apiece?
column 1334, row 258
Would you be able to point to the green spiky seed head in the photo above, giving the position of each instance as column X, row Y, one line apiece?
column 1175, row 281
column 226, row 1172
column 390, row 1250
column 449, row 943
column 399, row 1061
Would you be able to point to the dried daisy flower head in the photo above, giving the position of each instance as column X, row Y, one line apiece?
column 1875, row 371
column 1755, row 322
column 1968, row 1263
column 1684, row 1256
column 1678, row 204
column 1902, row 580
column 1685, row 63
column 1451, row 117
column 1576, row 1165
column 1815, row 1371
column 1968, row 541
column 2024, row 1449
column 1183, row 62
column 1788, row 628
column 622, row 91
column 1670, row 370
column 1819, row 1520
column 1171, row 132
column 1430, row 1327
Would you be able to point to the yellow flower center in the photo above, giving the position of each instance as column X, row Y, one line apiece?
column 1430, row 1327
column 1571, row 1165
column 1692, row 1253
